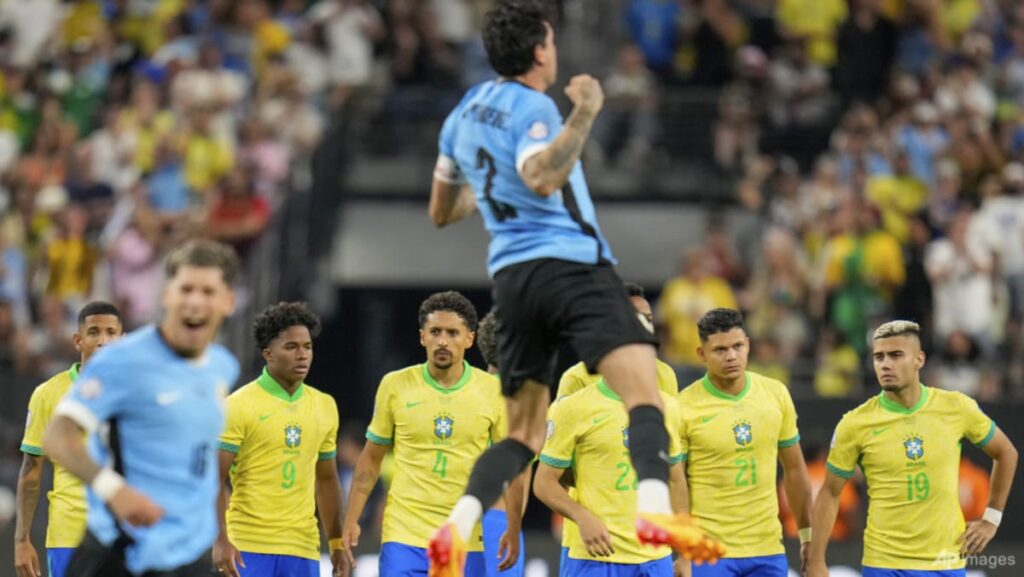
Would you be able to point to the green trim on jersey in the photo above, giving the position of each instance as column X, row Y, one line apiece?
column 789, row 442
column 233, row 449
column 327, row 456
column 274, row 389
column 838, row 472
column 607, row 391
column 684, row 457
column 677, row 459
column 716, row 392
column 376, row 440
column 894, row 407
column 467, row 372
column 556, row 463
column 982, row 443
column 73, row 371
column 31, row 450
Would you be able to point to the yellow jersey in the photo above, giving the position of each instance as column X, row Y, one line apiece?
column 277, row 441
column 66, row 525
column 436, row 434
column 577, row 378
column 681, row 305
column 732, row 443
column 911, row 459
column 589, row 432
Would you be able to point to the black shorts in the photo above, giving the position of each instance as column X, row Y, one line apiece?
column 546, row 302
column 94, row 559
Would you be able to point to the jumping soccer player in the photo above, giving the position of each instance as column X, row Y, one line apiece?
column 552, row 269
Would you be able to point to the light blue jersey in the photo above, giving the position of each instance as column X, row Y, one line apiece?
column 485, row 141
column 168, row 414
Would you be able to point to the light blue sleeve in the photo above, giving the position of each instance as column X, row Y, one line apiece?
column 536, row 124
column 101, row 392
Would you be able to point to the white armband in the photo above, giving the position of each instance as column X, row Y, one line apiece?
column 447, row 170
column 805, row 535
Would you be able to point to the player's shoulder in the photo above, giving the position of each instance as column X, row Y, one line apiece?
column 863, row 415
column 222, row 359
column 401, row 378
column 692, row 392
column 942, row 398
column 134, row 349
column 56, row 385
column 774, row 387
column 324, row 402
column 246, row 392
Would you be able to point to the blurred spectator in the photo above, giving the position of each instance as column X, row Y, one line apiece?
column 914, row 299
column 866, row 48
column 712, row 32
column 625, row 128
column 774, row 299
column 924, row 140
column 49, row 343
column 736, row 130
column 135, row 275
column 817, row 22
column 684, row 300
column 238, row 215
column 70, row 258
column 268, row 156
column 350, row 28
column 998, row 228
column 958, row 367
column 838, row 371
column 765, row 360
column 799, row 88
column 898, row 196
column 207, row 157
column 13, row 341
column 652, row 26
column 961, row 277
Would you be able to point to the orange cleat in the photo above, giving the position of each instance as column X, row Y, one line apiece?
column 447, row 553
column 681, row 533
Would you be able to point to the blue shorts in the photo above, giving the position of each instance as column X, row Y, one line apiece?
column 876, row 572
column 563, row 562
column 398, row 560
column 262, row 565
column 586, row 568
column 766, row 566
column 57, row 560
column 495, row 523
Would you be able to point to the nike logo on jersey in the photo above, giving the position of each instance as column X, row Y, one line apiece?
column 265, row 417
column 411, row 405
column 168, row 397
column 599, row 419
column 706, row 419
column 879, row 431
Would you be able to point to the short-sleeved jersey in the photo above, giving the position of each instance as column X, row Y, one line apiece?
column 66, row 525
column 436, row 434
column 732, row 447
column 488, row 137
column 168, row 413
column 911, row 459
column 589, row 431
column 277, row 440
column 577, row 378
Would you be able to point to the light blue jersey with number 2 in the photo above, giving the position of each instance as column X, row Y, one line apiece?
column 485, row 142
column 169, row 414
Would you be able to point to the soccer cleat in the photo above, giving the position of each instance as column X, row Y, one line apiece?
column 681, row 533
column 447, row 553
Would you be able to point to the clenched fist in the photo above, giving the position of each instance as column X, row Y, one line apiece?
column 585, row 93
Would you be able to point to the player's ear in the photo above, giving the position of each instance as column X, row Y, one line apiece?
column 423, row 342
column 919, row 360
column 471, row 336
column 266, row 354
column 77, row 340
column 700, row 353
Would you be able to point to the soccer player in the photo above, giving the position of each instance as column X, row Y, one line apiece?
column 577, row 377
column 504, row 148
column 438, row 417
column 588, row 432
column 99, row 323
column 504, row 553
column 906, row 440
column 152, row 404
column 738, row 425
column 278, row 445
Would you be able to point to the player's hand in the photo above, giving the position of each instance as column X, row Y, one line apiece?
column 584, row 91
column 816, row 569
column 26, row 561
column 595, row 535
column 976, row 537
column 340, row 564
column 683, row 567
column 135, row 508
column 350, row 536
column 508, row 550
column 225, row 557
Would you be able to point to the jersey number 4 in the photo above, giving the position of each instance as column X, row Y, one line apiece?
column 502, row 211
